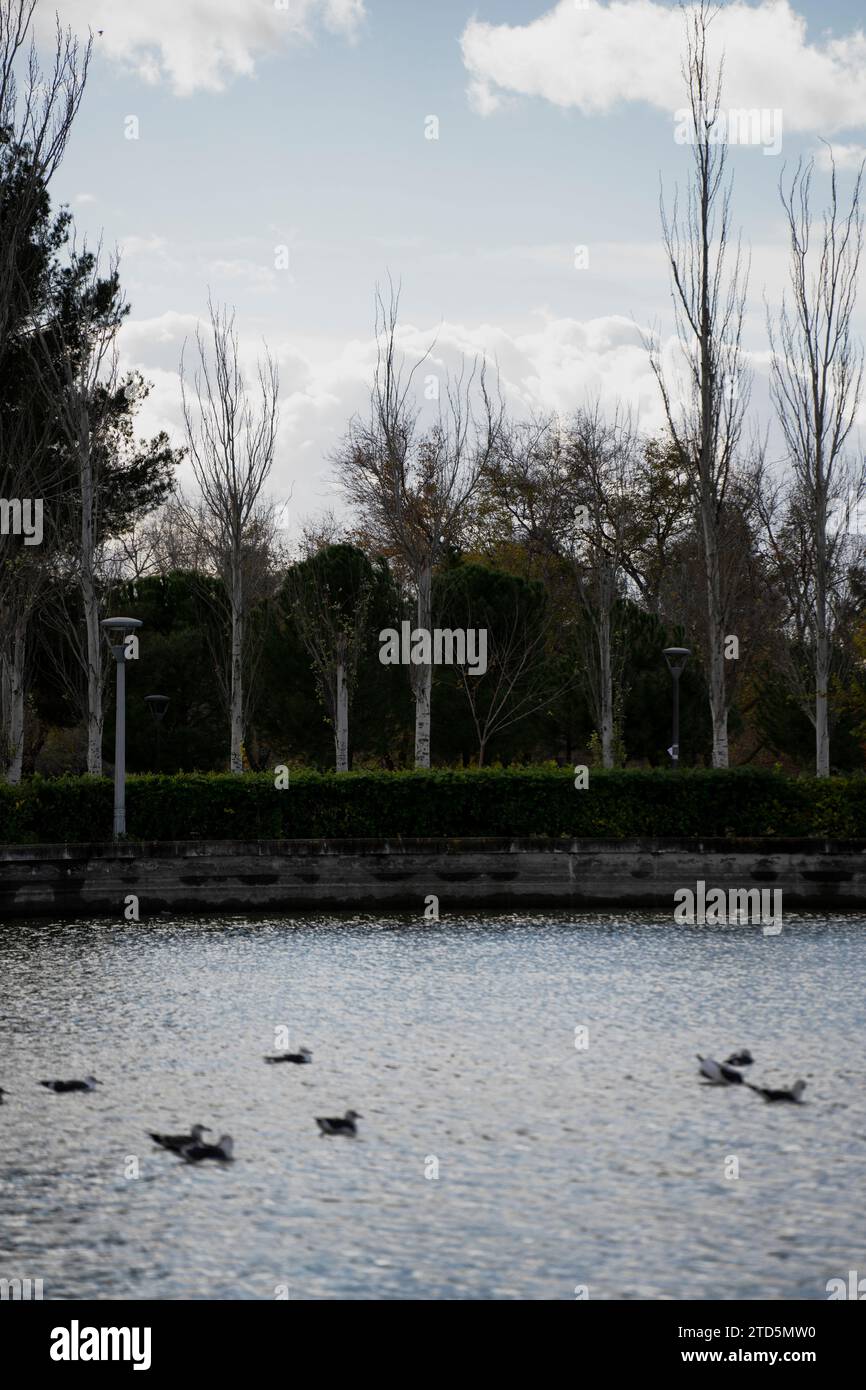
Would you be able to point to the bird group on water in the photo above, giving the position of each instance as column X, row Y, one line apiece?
column 729, row 1073
column 192, row 1146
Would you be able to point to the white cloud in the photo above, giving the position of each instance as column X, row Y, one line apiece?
column 200, row 46
column 143, row 246
column 844, row 156
column 595, row 57
column 559, row 364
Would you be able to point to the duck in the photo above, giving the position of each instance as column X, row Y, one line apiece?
column 222, row 1149
column 719, row 1073
column 305, row 1055
column 794, row 1094
column 176, row 1142
column 740, row 1059
column 60, row 1087
column 336, row 1124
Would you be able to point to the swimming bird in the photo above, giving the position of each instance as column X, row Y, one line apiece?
column 739, row 1059
column 305, row 1055
column 794, row 1095
column 88, row 1084
column 224, row 1149
column 176, row 1142
column 336, row 1124
column 2, row 1094
column 719, row 1073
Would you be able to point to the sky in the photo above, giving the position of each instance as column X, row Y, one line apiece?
column 282, row 160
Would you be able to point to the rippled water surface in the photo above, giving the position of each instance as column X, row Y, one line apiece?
column 558, row 1166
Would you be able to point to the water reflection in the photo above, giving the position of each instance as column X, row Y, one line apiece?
column 559, row 1164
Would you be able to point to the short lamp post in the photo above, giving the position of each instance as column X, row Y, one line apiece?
column 157, row 704
column 117, row 630
column 676, row 658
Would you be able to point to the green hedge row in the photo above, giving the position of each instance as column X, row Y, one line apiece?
column 521, row 802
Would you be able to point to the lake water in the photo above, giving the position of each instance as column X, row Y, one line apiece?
column 558, row 1166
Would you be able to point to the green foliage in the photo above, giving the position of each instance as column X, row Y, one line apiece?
column 491, row 802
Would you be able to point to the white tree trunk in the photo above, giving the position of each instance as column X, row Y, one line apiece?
column 715, row 633
column 341, row 723
column 822, row 660
column 236, row 754
column 422, row 680
column 605, row 691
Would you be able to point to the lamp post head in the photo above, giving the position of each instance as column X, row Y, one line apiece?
column 120, row 626
column 157, row 704
column 676, row 658
column 116, row 631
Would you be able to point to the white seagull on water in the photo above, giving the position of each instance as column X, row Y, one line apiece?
column 719, row 1073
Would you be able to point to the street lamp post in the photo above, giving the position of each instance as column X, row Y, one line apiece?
column 676, row 658
column 157, row 704
column 117, row 630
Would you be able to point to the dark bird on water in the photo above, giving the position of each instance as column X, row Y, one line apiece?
column 88, row 1084
column 739, row 1059
column 223, row 1149
column 718, row 1073
column 176, row 1142
column 336, row 1124
column 794, row 1095
column 305, row 1055
column 2, row 1094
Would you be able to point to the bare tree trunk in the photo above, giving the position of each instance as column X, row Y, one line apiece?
column 90, row 605
column 717, row 676
column 341, row 709
column 12, row 698
column 606, row 688
column 236, row 696
column 822, row 657
column 422, row 679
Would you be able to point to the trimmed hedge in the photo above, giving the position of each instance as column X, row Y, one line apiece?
column 491, row 802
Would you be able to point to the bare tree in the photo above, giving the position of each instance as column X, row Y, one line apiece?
column 232, row 441
column 816, row 383
column 79, row 376
column 705, row 411
column 413, row 486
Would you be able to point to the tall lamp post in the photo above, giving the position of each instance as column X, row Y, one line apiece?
column 157, row 704
column 117, row 630
column 676, row 658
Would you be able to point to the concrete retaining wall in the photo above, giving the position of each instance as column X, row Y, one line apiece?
column 227, row 876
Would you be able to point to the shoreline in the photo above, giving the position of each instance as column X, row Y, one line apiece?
column 97, row 879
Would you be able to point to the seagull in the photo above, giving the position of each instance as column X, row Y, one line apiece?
column 338, row 1125
column 305, row 1055
column 223, row 1149
column 88, row 1084
column 739, row 1059
column 794, row 1095
column 176, row 1142
column 719, row 1073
